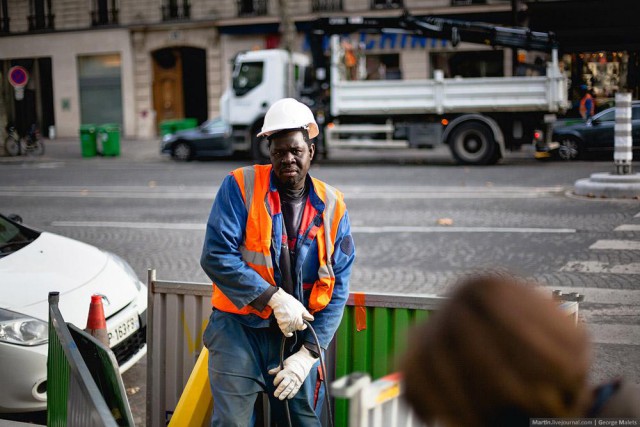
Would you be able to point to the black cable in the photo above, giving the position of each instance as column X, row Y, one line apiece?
column 327, row 396
column 286, row 401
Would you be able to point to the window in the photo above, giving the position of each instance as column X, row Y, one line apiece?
column 607, row 116
column 386, row 4
column 383, row 67
column 635, row 112
column 40, row 17
column 104, row 12
column 4, row 17
column 176, row 9
column 99, row 78
column 246, row 76
column 252, row 7
column 326, row 5
column 484, row 63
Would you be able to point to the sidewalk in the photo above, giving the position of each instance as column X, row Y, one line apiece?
column 69, row 149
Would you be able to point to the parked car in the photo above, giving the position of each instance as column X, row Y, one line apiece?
column 594, row 138
column 210, row 139
column 33, row 263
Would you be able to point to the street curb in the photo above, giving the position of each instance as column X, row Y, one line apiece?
column 609, row 186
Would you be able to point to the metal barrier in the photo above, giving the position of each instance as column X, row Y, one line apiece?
column 373, row 332
column 177, row 313
column 375, row 404
column 73, row 396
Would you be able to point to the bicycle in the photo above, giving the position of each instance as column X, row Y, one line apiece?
column 30, row 144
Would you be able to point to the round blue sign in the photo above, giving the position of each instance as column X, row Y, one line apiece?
column 18, row 76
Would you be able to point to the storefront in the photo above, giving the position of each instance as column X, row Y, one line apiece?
column 599, row 45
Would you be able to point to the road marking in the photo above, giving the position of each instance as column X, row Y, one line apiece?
column 444, row 229
column 448, row 192
column 601, row 267
column 628, row 227
column 614, row 333
column 602, row 296
column 368, row 230
column 143, row 225
column 629, row 245
column 351, row 192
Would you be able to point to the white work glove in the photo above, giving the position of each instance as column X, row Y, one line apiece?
column 289, row 312
column 296, row 369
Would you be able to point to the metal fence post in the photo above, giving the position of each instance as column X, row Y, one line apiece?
column 623, row 140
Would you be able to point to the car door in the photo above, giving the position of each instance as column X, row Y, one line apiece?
column 599, row 136
column 635, row 129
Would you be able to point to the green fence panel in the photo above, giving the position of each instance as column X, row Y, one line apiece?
column 57, row 381
column 104, row 369
column 81, row 393
column 373, row 334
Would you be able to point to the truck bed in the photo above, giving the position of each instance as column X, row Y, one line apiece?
column 457, row 95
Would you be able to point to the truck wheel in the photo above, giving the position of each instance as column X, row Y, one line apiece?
column 259, row 146
column 473, row 144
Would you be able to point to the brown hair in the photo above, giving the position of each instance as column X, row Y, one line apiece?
column 497, row 353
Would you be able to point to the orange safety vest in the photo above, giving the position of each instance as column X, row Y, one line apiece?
column 256, row 248
column 583, row 106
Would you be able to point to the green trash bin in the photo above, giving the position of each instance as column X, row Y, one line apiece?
column 171, row 126
column 110, row 139
column 88, row 142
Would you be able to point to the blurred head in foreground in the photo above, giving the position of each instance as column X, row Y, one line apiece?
column 496, row 354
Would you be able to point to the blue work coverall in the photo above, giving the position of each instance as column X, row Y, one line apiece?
column 244, row 347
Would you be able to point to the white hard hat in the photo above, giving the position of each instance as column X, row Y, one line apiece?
column 287, row 113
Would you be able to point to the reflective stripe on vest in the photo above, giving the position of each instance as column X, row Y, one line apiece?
column 253, row 182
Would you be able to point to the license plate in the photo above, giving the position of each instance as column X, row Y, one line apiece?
column 122, row 330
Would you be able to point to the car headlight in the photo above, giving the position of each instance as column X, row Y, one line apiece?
column 168, row 137
column 127, row 269
column 16, row 328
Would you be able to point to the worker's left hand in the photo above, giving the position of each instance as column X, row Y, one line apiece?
column 296, row 368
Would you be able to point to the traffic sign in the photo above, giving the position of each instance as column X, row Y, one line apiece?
column 18, row 76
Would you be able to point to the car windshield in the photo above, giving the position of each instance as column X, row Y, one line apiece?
column 216, row 125
column 13, row 236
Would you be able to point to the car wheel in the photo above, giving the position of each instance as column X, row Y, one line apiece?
column 472, row 143
column 182, row 152
column 569, row 148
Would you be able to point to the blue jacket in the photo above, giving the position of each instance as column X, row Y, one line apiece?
column 222, row 261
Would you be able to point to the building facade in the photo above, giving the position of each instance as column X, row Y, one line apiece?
column 138, row 63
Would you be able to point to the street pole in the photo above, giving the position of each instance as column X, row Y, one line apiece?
column 288, row 31
column 514, row 50
column 623, row 154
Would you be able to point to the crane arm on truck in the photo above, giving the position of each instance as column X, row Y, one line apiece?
column 453, row 30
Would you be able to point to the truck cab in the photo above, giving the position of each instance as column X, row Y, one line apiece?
column 259, row 78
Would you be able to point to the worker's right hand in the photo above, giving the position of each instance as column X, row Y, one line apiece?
column 289, row 312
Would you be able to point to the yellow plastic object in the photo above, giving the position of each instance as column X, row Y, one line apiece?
column 195, row 404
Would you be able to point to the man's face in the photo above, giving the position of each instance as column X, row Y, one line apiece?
column 291, row 158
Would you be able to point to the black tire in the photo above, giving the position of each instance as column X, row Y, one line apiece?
column 570, row 148
column 472, row 143
column 11, row 146
column 36, row 148
column 182, row 151
column 259, row 146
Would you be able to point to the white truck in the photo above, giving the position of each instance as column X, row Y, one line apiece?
column 478, row 118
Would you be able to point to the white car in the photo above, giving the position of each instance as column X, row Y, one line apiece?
column 33, row 263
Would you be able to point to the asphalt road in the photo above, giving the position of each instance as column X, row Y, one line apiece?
column 519, row 215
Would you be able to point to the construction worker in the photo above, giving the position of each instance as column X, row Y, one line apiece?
column 587, row 104
column 279, row 250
